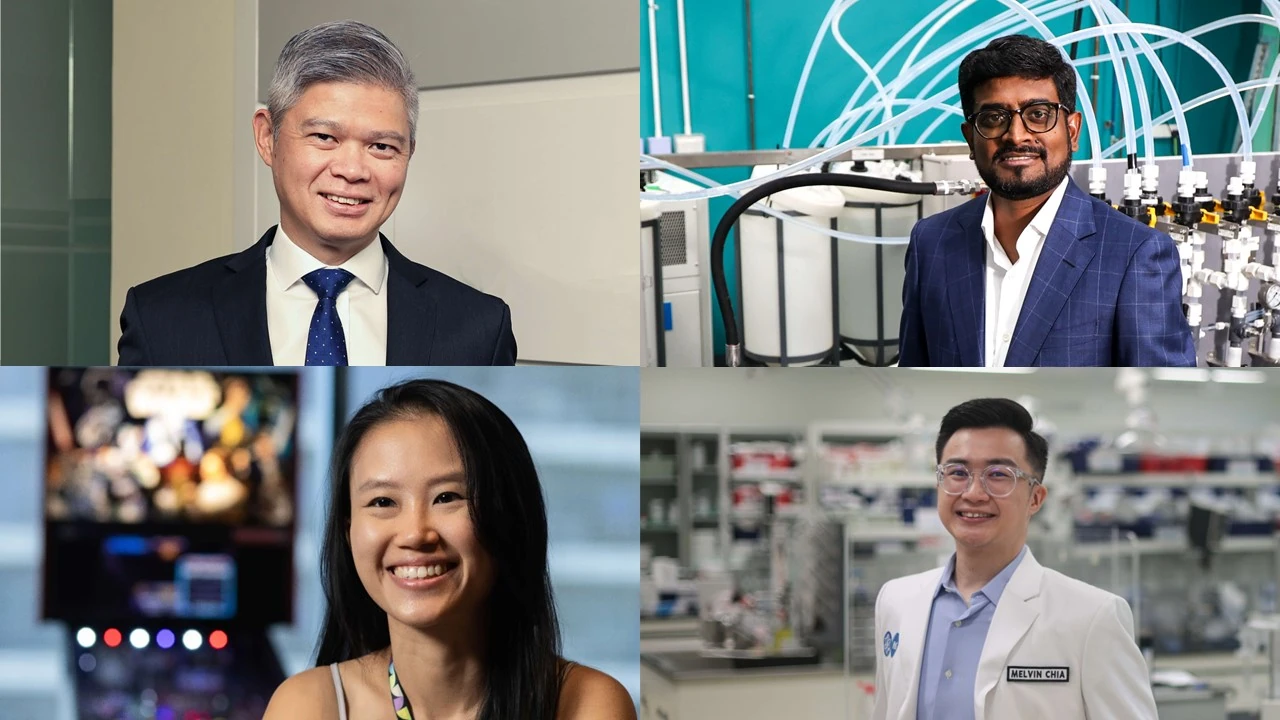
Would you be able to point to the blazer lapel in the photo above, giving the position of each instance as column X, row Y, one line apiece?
column 915, row 626
column 240, row 306
column 411, row 311
column 1062, row 261
column 965, row 267
column 1018, row 608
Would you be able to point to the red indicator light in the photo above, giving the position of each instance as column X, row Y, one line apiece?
column 112, row 637
column 217, row 639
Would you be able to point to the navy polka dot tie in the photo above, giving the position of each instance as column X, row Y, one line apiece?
column 326, row 345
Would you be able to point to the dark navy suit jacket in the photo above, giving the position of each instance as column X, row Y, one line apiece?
column 216, row 314
column 1107, row 290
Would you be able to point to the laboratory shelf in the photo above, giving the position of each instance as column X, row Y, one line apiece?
column 886, row 534
column 762, row 476
column 1150, row 546
column 923, row 480
column 654, row 527
column 1185, row 479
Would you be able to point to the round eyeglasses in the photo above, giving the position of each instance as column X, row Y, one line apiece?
column 1037, row 117
column 997, row 480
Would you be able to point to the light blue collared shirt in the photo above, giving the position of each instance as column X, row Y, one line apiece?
column 953, row 645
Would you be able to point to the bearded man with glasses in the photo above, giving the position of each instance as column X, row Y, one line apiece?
column 993, row 634
column 1037, row 272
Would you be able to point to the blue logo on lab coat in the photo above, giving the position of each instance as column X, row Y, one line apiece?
column 890, row 644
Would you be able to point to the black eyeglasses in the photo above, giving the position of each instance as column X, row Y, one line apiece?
column 1037, row 117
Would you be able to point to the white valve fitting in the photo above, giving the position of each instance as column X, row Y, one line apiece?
column 1187, row 183
column 1097, row 180
column 1132, row 185
column 1260, row 272
column 1194, row 316
column 1150, row 178
column 1248, row 171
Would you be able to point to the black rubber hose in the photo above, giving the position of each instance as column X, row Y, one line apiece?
column 721, row 286
column 1076, row 28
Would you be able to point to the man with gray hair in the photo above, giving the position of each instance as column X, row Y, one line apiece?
column 337, row 133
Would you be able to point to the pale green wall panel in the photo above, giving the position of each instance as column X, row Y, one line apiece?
column 90, row 316
column 34, row 293
column 55, row 182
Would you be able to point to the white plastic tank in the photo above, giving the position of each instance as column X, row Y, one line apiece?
column 862, row 302
column 806, row 276
column 650, row 211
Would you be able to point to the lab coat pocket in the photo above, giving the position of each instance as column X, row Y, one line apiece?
column 1029, row 690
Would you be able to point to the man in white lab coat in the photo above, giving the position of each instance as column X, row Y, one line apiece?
column 993, row 635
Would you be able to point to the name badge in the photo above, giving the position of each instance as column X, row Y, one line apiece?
column 1037, row 674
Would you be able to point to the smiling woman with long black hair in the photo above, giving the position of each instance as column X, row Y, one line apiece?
column 435, row 571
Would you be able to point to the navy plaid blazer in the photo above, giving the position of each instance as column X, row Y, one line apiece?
column 1107, row 291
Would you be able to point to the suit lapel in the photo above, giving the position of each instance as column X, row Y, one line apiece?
column 915, row 626
column 411, row 311
column 965, row 266
column 1018, row 608
column 1062, row 261
column 240, row 306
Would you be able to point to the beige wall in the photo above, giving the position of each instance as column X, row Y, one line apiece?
column 472, row 42
column 179, row 124
column 527, row 190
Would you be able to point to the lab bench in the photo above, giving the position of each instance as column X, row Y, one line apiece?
column 674, row 634
column 687, row 686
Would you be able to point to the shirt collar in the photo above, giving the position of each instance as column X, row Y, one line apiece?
column 289, row 263
column 994, row 587
column 1041, row 223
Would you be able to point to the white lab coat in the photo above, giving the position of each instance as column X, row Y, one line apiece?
column 1043, row 619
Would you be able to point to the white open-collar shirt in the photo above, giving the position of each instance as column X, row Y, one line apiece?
column 1007, row 282
column 362, row 304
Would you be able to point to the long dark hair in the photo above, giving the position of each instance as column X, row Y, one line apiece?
column 523, row 666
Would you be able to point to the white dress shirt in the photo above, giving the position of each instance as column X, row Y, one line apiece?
column 362, row 304
column 1007, row 282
